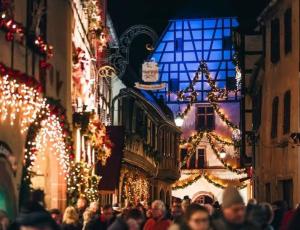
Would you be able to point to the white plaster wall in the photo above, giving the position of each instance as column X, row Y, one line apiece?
column 203, row 185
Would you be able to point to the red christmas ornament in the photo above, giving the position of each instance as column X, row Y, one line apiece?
column 9, row 36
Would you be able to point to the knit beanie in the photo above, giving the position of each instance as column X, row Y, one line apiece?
column 231, row 196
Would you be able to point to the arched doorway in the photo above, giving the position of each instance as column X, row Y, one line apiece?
column 203, row 198
column 49, row 178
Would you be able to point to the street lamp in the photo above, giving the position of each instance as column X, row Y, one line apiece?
column 179, row 120
column 223, row 153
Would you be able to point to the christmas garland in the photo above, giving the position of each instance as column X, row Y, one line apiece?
column 220, row 185
column 194, row 141
column 213, row 98
column 16, row 30
column 221, row 93
column 181, row 184
column 225, row 164
column 221, row 140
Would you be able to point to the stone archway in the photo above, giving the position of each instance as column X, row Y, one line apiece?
column 203, row 197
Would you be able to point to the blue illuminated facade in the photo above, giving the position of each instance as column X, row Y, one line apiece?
column 184, row 44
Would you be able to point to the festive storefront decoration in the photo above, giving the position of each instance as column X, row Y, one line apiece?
column 22, row 101
column 50, row 132
column 135, row 186
column 99, row 139
column 97, row 31
column 15, row 30
column 19, row 95
column 82, row 182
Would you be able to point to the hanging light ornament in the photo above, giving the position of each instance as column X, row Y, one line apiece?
column 179, row 120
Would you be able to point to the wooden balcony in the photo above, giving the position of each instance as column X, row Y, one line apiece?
column 134, row 154
column 168, row 169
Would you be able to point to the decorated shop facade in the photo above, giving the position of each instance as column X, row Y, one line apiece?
column 198, row 64
column 41, row 105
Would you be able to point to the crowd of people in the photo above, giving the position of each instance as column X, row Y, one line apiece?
column 182, row 215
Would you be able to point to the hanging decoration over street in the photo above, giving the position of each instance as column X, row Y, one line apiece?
column 120, row 59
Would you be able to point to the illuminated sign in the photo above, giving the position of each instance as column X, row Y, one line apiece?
column 150, row 74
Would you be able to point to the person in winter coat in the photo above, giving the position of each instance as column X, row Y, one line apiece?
column 158, row 220
column 132, row 220
column 104, row 221
column 71, row 219
column 33, row 216
column 233, row 211
column 259, row 216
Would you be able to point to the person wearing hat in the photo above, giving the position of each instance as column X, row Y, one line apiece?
column 233, row 211
column 34, row 217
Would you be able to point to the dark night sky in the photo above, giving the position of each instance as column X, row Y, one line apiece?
column 156, row 13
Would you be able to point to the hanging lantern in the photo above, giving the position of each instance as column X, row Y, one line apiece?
column 179, row 120
column 222, row 153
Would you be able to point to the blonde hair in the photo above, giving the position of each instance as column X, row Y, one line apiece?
column 87, row 216
column 70, row 216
